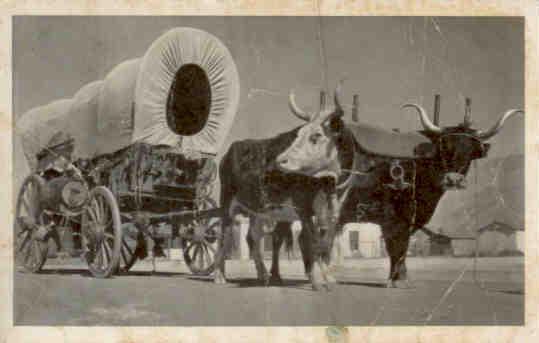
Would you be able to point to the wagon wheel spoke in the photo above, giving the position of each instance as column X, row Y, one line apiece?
column 36, row 253
column 109, row 235
column 193, row 256
column 26, row 197
column 104, row 218
column 108, row 251
column 209, row 258
column 21, row 232
column 25, row 240
column 26, row 206
column 93, row 215
column 99, row 258
column 209, row 246
column 92, row 210
column 105, row 259
column 95, row 210
column 126, row 246
column 201, row 257
column 28, row 252
column 124, row 258
column 102, row 211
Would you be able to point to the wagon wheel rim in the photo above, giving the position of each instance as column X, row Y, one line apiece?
column 127, row 251
column 102, row 233
column 201, row 256
column 30, row 253
column 200, row 249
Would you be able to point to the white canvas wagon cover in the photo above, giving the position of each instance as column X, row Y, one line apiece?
column 183, row 93
column 37, row 127
column 187, row 92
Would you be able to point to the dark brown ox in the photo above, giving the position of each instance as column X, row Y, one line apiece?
column 388, row 178
column 252, row 185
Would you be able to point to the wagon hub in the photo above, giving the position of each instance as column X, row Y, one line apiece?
column 41, row 232
column 199, row 233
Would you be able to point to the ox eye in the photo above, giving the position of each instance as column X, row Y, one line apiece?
column 315, row 137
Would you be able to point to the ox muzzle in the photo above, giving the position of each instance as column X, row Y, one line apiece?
column 453, row 181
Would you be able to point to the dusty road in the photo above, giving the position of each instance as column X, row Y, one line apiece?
column 445, row 294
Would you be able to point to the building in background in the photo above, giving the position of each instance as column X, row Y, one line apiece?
column 427, row 242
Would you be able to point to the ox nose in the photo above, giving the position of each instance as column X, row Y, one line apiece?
column 454, row 181
column 282, row 160
column 286, row 164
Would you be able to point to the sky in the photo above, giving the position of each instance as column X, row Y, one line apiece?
column 388, row 61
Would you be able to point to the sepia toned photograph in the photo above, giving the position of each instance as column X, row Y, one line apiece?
column 268, row 171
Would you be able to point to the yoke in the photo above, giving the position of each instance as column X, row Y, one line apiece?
column 379, row 141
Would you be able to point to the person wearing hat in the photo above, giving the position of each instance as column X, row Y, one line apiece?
column 56, row 155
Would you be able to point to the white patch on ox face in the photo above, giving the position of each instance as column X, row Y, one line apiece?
column 313, row 153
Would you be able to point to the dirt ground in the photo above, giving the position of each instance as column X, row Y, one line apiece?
column 447, row 291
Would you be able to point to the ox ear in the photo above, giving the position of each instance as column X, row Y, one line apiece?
column 425, row 150
column 334, row 125
column 484, row 151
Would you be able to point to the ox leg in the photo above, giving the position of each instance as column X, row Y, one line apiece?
column 326, row 258
column 325, row 234
column 254, row 238
column 397, row 238
column 281, row 231
column 224, row 245
column 305, row 246
column 309, row 242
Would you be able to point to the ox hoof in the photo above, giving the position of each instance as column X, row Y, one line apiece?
column 391, row 284
column 400, row 284
column 329, row 286
column 317, row 279
column 330, row 279
column 219, row 279
column 406, row 284
column 275, row 280
column 264, row 279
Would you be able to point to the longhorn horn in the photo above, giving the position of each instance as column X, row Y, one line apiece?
column 337, row 96
column 323, row 103
column 425, row 121
column 498, row 125
column 295, row 108
column 468, row 113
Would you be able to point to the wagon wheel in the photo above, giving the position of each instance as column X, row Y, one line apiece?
column 129, row 246
column 201, row 241
column 31, row 246
column 102, row 232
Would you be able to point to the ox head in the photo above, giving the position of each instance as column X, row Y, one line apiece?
column 457, row 146
column 314, row 151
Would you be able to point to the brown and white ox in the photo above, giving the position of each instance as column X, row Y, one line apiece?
column 272, row 198
column 384, row 177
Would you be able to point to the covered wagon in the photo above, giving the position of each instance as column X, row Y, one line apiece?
column 129, row 153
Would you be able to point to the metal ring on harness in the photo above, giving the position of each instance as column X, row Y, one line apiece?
column 396, row 171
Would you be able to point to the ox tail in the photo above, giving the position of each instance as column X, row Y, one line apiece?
column 228, row 191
